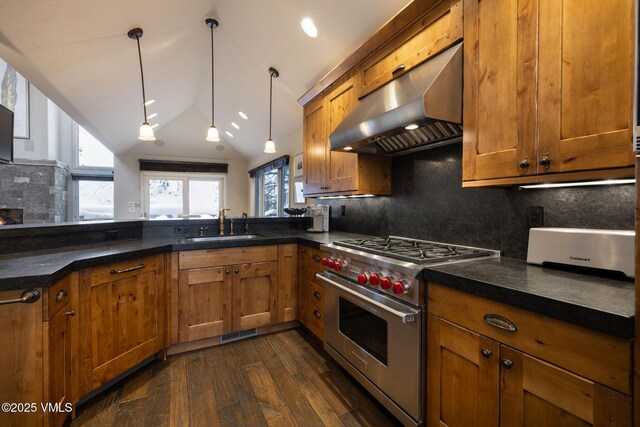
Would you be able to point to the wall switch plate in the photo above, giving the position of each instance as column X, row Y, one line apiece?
column 179, row 230
column 131, row 204
column 535, row 216
column 132, row 209
column 343, row 210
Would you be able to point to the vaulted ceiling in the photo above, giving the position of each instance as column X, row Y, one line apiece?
column 77, row 52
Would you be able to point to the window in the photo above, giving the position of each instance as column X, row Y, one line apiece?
column 92, row 177
column 173, row 195
column 271, row 187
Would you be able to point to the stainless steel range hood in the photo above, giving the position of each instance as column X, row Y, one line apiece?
column 429, row 97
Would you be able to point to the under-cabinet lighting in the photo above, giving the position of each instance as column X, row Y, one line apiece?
column 309, row 27
column 361, row 196
column 235, row 125
column 348, row 148
column 356, row 196
column 580, row 184
column 243, row 115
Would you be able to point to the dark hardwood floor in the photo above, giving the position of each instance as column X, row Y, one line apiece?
column 274, row 380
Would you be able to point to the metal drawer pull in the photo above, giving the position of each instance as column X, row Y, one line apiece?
column 398, row 68
column 27, row 297
column 71, row 313
column 317, row 258
column 126, row 270
column 316, row 294
column 316, row 313
column 507, row 364
column 486, row 353
column 62, row 294
column 500, row 322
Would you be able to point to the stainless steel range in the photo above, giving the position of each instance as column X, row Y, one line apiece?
column 375, row 314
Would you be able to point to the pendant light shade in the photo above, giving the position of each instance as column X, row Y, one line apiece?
column 270, row 146
column 212, row 133
column 146, row 131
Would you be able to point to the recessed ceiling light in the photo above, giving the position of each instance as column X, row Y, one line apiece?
column 155, row 126
column 243, row 115
column 235, row 125
column 228, row 133
column 348, row 148
column 309, row 27
column 150, row 101
column 151, row 116
column 412, row 126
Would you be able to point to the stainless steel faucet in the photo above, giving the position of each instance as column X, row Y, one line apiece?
column 246, row 223
column 221, row 218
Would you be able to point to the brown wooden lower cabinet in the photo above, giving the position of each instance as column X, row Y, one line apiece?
column 475, row 380
column 120, row 318
column 311, row 291
column 254, row 288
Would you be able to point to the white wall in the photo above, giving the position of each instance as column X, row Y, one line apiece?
column 37, row 146
column 127, row 185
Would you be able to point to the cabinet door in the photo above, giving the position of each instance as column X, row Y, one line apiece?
column 500, row 58
column 204, row 303
column 535, row 393
column 315, row 147
column 57, row 367
column 287, row 282
column 342, row 167
column 462, row 376
column 120, row 318
column 20, row 359
column 255, row 288
column 586, row 84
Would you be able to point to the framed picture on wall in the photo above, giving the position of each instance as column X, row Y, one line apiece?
column 14, row 94
column 298, row 195
column 297, row 165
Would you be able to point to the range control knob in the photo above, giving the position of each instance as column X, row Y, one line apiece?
column 374, row 279
column 385, row 283
column 325, row 261
column 401, row 287
column 363, row 278
column 331, row 263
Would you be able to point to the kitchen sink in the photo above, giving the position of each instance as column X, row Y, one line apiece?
column 222, row 238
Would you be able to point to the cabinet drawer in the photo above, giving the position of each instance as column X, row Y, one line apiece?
column 231, row 256
column 314, row 257
column 123, row 270
column 311, row 275
column 315, row 318
column 57, row 297
column 315, row 293
column 599, row 357
column 437, row 30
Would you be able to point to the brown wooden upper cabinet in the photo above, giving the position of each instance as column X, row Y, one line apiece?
column 548, row 89
column 329, row 171
column 434, row 32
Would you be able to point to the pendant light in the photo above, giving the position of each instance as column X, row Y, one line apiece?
column 270, row 146
column 146, row 131
column 212, row 133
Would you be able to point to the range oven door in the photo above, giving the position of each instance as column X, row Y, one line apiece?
column 379, row 336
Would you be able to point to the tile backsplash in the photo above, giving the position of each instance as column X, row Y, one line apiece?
column 428, row 202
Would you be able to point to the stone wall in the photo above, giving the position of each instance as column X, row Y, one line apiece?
column 37, row 187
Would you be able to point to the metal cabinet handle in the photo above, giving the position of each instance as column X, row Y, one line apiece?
column 27, row 297
column 71, row 313
column 317, row 258
column 500, row 322
column 486, row 353
column 316, row 314
column 236, row 271
column 227, row 272
column 524, row 163
column 507, row 364
column 304, row 251
column 398, row 68
column 545, row 161
column 127, row 270
column 62, row 294
column 316, row 294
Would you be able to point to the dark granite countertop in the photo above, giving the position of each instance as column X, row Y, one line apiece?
column 598, row 303
column 36, row 269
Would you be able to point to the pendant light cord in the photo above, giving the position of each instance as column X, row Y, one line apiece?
column 212, row 86
column 270, row 102
column 144, row 99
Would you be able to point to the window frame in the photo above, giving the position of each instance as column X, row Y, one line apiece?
column 145, row 176
column 283, row 199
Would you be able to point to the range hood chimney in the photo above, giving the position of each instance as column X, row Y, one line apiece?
column 421, row 109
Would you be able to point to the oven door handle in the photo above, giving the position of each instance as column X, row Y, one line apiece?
column 405, row 317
